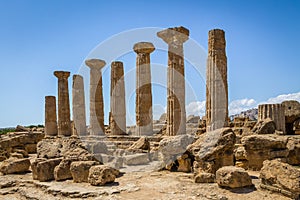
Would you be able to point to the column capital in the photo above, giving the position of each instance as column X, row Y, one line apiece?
column 50, row 97
column 174, row 35
column 77, row 76
column 144, row 47
column 95, row 64
column 61, row 74
column 117, row 64
column 214, row 33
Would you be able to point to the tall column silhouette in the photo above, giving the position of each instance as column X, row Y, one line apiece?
column 216, row 81
column 144, row 115
column 117, row 117
column 64, row 122
column 176, row 116
column 50, row 116
column 96, row 96
column 78, row 105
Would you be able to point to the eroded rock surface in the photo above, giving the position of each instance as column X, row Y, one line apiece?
column 15, row 165
column 266, row 126
column 281, row 176
column 233, row 177
column 80, row 170
column 101, row 174
column 213, row 150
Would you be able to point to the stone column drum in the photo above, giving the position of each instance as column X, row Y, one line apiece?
column 144, row 115
column 216, row 81
column 50, row 116
column 64, row 122
column 78, row 105
column 96, row 96
column 275, row 112
column 176, row 116
column 117, row 117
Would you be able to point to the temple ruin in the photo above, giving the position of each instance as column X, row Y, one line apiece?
column 292, row 117
column 275, row 112
column 212, row 149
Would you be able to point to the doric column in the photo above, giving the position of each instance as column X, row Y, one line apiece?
column 78, row 105
column 275, row 112
column 176, row 116
column 216, row 81
column 50, row 116
column 96, row 96
column 117, row 117
column 143, row 109
column 64, row 123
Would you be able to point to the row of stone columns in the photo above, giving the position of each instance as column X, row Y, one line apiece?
column 118, row 105
column 176, row 115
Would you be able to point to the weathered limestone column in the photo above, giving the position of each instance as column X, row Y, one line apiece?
column 64, row 122
column 275, row 112
column 176, row 116
column 143, row 109
column 96, row 96
column 79, row 117
column 117, row 117
column 50, row 116
column 216, row 81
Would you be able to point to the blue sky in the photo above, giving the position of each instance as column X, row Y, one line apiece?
column 39, row 37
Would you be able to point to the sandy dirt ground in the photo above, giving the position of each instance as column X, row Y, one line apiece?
column 131, row 185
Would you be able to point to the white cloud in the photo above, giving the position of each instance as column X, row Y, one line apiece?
column 237, row 106
column 284, row 97
column 196, row 108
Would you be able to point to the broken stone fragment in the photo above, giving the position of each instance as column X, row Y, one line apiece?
column 282, row 177
column 45, row 169
column 213, row 150
column 142, row 144
column 233, row 177
column 15, row 165
column 205, row 178
column 80, row 170
column 101, row 174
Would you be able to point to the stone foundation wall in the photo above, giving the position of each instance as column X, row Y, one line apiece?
column 27, row 141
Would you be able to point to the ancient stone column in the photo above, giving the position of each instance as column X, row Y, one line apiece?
column 50, row 116
column 78, row 106
column 117, row 117
column 96, row 96
column 143, row 109
column 216, row 81
column 275, row 112
column 176, row 116
column 64, row 122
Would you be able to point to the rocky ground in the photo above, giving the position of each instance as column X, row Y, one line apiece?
column 136, row 184
column 142, row 175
